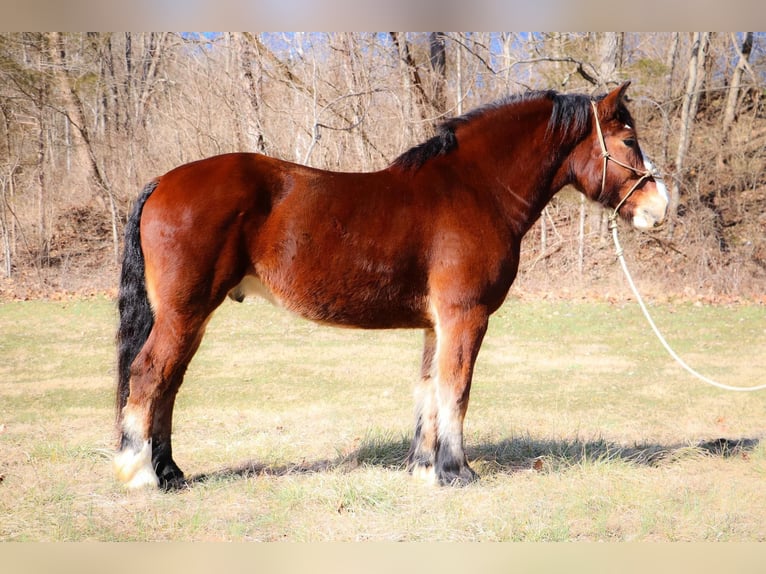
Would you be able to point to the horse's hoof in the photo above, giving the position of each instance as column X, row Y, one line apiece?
column 462, row 477
column 134, row 469
column 171, row 477
column 424, row 472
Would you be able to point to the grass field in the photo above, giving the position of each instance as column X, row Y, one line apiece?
column 580, row 427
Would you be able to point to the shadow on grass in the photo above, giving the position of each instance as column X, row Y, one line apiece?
column 506, row 456
column 385, row 452
column 526, row 453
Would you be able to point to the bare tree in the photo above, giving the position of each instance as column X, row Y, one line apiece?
column 74, row 110
column 671, row 61
column 431, row 103
column 438, row 59
column 609, row 48
column 695, row 79
column 86, row 118
column 250, row 73
column 733, row 93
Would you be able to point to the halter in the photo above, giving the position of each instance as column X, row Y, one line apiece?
column 643, row 174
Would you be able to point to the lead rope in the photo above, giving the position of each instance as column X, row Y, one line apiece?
column 679, row 360
column 621, row 256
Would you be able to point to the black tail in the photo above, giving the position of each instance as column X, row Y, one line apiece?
column 136, row 317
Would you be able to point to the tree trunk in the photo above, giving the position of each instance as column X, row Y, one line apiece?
column 250, row 76
column 426, row 107
column 41, row 103
column 74, row 110
column 5, row 227
column 608, row 51
column 438, row 49
column 358, row 82
column 732, row 95
column 670, row 62
column 695, row 79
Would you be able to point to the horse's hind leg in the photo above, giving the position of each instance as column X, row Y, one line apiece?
column 156, row 375
column 168, row 472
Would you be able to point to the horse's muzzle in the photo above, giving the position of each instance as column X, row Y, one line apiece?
column 650, row 212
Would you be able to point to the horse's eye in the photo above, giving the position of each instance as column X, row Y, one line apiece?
column 630, row 142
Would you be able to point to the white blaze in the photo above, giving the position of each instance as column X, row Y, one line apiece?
column 650, row 167
column 652, row 209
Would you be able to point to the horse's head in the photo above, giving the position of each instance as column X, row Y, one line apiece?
column 614, row 171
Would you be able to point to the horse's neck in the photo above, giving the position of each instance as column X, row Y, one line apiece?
column 531, row 171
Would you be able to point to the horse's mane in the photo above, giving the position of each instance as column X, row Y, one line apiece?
column 570, row 120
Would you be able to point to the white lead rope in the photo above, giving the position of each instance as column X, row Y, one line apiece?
column 679, row 360
column 613, row 226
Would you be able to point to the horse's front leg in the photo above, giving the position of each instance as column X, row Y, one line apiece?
column 422, row 455
column 442, row 396
column 460, row 333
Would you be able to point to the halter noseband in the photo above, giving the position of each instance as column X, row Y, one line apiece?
column 643, row 174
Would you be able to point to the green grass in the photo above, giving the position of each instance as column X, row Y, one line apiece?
column 579, row 425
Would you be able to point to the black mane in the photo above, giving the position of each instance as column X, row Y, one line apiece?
column 442, row 143
column 570, row 121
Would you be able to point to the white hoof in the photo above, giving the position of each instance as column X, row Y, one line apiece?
column 425, row 473
column 134, row 469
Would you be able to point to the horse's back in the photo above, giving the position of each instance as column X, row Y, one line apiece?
column 229, row 180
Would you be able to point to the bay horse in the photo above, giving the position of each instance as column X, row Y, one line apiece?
column 431, row 242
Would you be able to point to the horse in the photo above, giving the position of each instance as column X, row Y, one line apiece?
column 431, row 242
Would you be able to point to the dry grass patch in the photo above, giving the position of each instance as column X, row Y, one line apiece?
column 579, row 426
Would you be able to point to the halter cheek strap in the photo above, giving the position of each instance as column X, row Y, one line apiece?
column 643, row 174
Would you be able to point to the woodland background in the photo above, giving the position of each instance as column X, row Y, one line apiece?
column 87, row 118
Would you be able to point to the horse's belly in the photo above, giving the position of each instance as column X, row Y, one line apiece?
column 360, row 306
column 251, row 286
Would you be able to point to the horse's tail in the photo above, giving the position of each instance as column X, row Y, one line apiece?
column 136, row 316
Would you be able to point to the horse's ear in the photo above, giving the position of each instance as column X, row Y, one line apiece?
column 611, row 102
